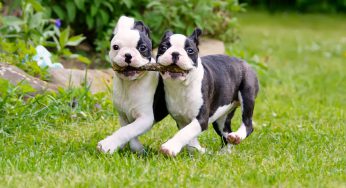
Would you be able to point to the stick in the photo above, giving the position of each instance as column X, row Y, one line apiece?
column 150, row 67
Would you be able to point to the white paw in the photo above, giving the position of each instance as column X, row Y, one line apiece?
column 233, row 138
column 200, row 149
column 226, row 149
column 136, row 146
column 170, row 148
column 108, row 145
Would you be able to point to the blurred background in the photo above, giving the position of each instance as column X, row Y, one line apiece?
column 78, row 31
column 56, row 91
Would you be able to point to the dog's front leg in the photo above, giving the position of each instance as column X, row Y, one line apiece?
column 125, row 134
column 135, row 144
column 173, row 146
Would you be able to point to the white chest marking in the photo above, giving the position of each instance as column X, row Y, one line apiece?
column 184, row 98
column 135, row 97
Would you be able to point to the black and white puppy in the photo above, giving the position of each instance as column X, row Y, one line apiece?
column 138, row 95
column 208, row 92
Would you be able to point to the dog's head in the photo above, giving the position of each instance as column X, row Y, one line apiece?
column 179, row 50
column 130, row 46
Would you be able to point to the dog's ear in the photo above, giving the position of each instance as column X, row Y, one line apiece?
column 195, row 35
column 167, row 34
column 140, row 26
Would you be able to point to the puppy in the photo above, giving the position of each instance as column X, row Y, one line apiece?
column 209, row 91
column 138, row 95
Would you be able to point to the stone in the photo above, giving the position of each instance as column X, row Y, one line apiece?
column 98, row 80
column 211, row 46
column 15, row 76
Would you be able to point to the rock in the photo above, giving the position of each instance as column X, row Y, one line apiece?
column 15, row 75
column 99, row 80
column 211, row 46
column 207, row 46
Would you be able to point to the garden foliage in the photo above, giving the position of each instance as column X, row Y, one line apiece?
column 327, row 6
column 96, row 19
column 17, row 106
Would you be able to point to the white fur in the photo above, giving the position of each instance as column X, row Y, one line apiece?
column 221, row 111
column 133, row 96
column 183, row 137
column 241, row 132
column 194, row 144
column 127, row 41
column 177, row 45
column 124, row 22
column 184, row 98
column 137, row 110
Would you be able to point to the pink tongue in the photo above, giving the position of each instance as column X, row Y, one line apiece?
column 175, row 74
column 129, row 73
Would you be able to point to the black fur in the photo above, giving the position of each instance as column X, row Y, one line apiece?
column 145, row 41
column 223, row 77
column 140, row 26
column 189, row 44
column 159, row 105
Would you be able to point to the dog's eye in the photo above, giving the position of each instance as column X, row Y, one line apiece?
column 115, row 47
column 163, row 48
column 142, row 48
column 190, row 51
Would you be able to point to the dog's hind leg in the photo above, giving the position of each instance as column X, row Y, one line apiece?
column 247, row 95
column 222, row 127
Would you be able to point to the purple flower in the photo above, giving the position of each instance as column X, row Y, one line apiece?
column 58, row 23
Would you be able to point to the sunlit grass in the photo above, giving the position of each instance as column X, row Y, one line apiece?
column 299, row 138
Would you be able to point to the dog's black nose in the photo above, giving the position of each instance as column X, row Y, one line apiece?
column 128, row 58
column 175, row 57
column 175, row 54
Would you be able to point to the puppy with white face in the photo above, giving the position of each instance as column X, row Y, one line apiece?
column 209, row 91
column 130, row 47
column 138, row 95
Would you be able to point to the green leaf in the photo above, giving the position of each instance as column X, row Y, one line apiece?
column 83, row 59
column 71, row 11
column 108, row 5
column 36, row 5
column 4, row 85
column 64, row 37
column 75, row 40
column 26, row 88
column 80, row 4
column 36, row 20
column 59, row 11
column 93, row 11
column 66, row 52
column 104, row 16
column 90, row 21
column 128, row 3
column 12, row 21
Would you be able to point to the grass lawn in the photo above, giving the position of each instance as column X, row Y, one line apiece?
column 299, row 138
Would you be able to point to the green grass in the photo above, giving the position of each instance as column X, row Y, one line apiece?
column 299, row 138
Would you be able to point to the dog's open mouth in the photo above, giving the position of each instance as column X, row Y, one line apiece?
column 129, row 73
column 174, row 72
column 126, row 71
